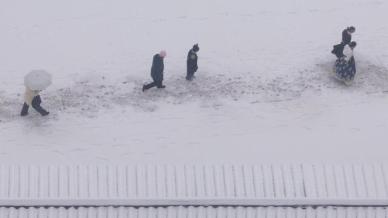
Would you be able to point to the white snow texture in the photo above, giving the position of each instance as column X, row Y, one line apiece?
column 264, row 91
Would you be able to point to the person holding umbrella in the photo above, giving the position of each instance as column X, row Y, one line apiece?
column 35, row 82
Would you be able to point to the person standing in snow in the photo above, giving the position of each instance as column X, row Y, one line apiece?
column 192, row 62
column 157, row 71
column 346, row 39
column 347, row 35
column 32, row 98
column 345, row 66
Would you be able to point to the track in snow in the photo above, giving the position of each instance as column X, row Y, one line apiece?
column 87, row 97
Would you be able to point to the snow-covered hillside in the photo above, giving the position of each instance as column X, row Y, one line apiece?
column 264, row 90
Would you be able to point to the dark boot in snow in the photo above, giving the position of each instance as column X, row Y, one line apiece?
column 159, row 84
column 45, row 113
column 148, row 86
column 190, row 76
column 36, row 105
column 24, row 111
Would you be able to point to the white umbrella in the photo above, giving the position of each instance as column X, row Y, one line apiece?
column 37, row 80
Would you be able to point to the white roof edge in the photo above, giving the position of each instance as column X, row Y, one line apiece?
column 193, row 202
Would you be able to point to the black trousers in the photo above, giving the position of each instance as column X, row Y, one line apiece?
column 190, row 75
column 158, row 84
column 36, row 101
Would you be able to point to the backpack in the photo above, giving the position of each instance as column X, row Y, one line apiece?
column 338, row 50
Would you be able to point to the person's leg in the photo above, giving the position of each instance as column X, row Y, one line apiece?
column 36, row 105
column 148, row 86
column 193, row 74
column 160, row 85
column 24, row 110
column 189, row 75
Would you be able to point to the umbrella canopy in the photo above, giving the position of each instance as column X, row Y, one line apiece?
column 37, row 80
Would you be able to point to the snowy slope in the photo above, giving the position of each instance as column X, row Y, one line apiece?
column 264, row 90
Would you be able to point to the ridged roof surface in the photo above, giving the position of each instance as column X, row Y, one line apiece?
column 195, row 185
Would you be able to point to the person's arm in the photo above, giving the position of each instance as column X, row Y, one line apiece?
column 346, row 38
column 343, row 36
column 192, row 61
column 196, row 62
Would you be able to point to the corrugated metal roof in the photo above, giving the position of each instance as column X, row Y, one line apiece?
column 206, row 185
column 195, row 212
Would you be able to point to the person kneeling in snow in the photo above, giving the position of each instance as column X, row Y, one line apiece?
column 345, row 65
column 192, row 62
column 32, row 98
column 157, row 71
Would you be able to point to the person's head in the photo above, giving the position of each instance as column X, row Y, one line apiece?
column 196, row 48
column 351, row 29
column 352, row 44
column 163, row 53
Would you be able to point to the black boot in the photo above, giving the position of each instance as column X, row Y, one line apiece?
column 45, row 113
column 36, row 105
column 160, row 85
column 24, row 111
column 148, row 86
column 190, row 76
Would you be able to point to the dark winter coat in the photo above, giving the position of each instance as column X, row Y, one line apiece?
column 338, row 50
column 192, row 61
column 346, row 37
column 157, row 68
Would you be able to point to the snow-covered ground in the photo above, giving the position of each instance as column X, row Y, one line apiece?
column 264, row 91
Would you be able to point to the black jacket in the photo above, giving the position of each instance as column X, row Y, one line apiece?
column 346, row 37
column 338, row 50
column 157, row 68
column 192, row 61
